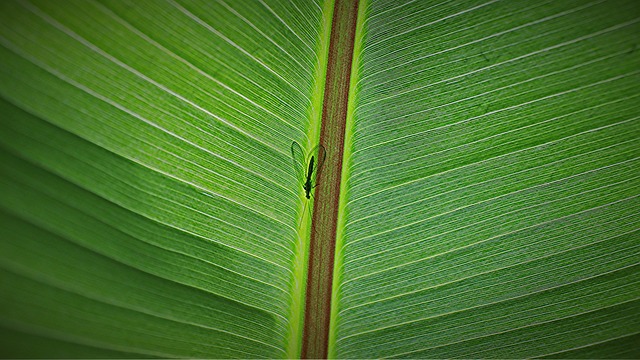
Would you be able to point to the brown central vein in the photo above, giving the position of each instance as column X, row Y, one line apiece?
column 325, row 213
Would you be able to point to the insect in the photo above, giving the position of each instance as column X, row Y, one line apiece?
column 312, row 163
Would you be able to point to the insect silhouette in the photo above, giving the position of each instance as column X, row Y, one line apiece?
column 312, row 163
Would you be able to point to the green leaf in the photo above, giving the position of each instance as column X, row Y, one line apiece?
column 492, row 207
column 148, row 203
column 489, row 202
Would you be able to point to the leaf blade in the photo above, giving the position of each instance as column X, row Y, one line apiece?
column 489, row 140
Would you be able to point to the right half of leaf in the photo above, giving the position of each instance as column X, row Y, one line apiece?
column 492, row 183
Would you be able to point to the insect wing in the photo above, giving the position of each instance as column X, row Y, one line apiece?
column 299, row 165
column 319, row 155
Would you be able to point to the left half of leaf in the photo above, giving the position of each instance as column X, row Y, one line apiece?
column 147, row 202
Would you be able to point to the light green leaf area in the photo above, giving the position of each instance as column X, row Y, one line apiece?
column 492, row 182
column 147, row 205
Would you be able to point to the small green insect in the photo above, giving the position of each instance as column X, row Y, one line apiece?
column 312, row 163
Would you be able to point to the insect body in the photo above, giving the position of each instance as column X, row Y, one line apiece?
column 315, row 160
